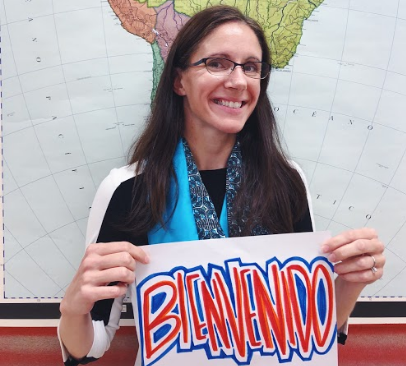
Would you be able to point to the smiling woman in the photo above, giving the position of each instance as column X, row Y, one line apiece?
column 218, row 104
column 208, row 165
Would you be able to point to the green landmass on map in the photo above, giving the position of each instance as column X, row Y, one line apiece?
column 157, row 68
column 158, row 21
column 282, row 21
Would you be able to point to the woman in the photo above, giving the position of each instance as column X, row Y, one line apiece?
column 211, row 115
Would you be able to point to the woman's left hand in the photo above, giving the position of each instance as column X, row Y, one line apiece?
column 358, row 255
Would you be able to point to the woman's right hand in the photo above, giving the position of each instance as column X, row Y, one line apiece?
column 104, row 273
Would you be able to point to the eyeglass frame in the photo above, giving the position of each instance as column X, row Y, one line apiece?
column 204, row 60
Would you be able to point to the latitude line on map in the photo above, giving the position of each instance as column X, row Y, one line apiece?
column 62, row 64
column 20, row 245
column 13, row 297
column 142, row 71
column 396, row 275
column 323, row 217
column 63, row 289
column 361, row 11
column 381, row 88
column 349, row 171
column 373, row 13
column 402, row 297
column 338, row 114
column 77, row 114
column 64, row 82
column 23, row 249
column 49, row 15
column 274, row 104
column 400, row 229
column 352, row 62
column 47, row 234
column 63, row 171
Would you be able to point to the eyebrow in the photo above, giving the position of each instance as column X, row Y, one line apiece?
column 225, row 55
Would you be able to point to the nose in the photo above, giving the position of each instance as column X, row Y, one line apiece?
column 237, row 79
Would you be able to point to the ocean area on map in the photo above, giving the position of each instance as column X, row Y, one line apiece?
column 78, row 78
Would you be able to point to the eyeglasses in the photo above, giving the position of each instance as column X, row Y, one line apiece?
column 224, row 66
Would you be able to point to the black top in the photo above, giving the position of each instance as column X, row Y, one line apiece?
column 120, row 207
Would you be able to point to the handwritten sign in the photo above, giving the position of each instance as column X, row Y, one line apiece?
column 260, row 300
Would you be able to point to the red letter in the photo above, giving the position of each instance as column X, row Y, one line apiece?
column 197, row 325
column 214, row 315
column 159, row 320
column 248, row 314
column 182, row 309
column 267, row 313
column 237, row 332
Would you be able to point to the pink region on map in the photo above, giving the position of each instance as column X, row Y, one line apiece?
column 136, row 18
column 168, row 24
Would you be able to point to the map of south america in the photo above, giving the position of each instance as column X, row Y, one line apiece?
column 159, row 21
column 78, row 78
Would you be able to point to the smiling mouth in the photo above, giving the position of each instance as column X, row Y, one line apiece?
column 234, row 105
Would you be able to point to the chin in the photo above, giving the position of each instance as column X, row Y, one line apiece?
column 235, row 129
column 232, row 127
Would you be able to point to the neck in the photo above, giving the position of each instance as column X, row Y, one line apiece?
column 211, row 152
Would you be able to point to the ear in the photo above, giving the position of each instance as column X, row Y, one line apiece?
column 177, row 84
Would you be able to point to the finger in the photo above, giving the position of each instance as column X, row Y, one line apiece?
column 100, row 278
column 106, row 292
column 120, row 259
column 366, row 276
column 356, row 248
column 116, row 247
column 139, row 254
column 359, row 263
column 347, row 237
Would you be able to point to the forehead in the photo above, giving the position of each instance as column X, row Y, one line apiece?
column 233, row 39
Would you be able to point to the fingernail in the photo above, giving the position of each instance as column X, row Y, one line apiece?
column 332, row 258
column 325, row 249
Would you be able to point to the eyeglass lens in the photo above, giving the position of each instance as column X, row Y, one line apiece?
column 223, row 66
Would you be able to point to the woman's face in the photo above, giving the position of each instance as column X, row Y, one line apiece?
column 207, row 97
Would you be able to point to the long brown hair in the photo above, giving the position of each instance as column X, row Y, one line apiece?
column 271, row 188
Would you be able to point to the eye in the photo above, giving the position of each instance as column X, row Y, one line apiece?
column 217, row 64
column 252, row 67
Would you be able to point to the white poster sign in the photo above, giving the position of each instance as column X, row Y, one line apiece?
column 261, row 300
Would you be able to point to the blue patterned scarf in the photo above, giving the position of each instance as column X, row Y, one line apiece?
column 193, row 215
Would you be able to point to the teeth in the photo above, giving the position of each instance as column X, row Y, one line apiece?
column 229, row 104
